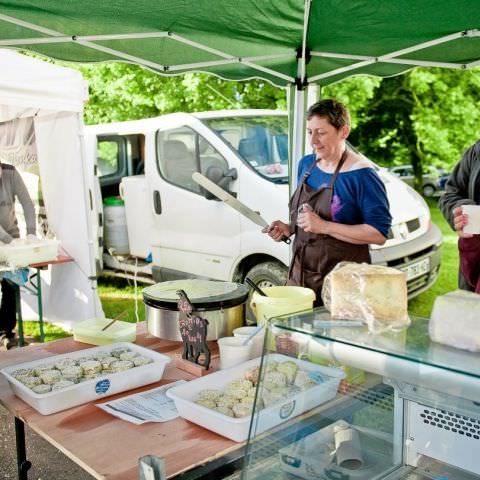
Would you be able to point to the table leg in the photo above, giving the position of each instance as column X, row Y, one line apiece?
column 18, row 308
column 23, row 465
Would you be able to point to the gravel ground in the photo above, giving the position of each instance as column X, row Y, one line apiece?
column 47, row 462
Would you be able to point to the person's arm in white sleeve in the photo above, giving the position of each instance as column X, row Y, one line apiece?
column 28, row 208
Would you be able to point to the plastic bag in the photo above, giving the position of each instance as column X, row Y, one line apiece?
column 20, row 276
column 375, row 294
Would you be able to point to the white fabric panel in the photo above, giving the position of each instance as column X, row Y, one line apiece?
column 70, row 295
column 29, row 86
column 66, row 297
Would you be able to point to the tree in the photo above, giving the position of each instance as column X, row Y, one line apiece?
column 424, row 117
column 120, row 91
column 427, row 116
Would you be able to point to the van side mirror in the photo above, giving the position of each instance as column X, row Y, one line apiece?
column 221, row 178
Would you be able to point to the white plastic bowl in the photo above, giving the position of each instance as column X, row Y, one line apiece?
column 90, row 331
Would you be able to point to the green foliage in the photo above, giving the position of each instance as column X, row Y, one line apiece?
column 424, row 117
column 107, row 157
column 448, row 276
column 355, row 92
column 446, row 115
column 427, row 116
column 120, row 91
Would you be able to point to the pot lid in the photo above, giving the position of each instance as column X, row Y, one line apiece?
column 204, row 294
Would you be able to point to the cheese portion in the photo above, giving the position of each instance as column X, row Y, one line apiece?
column 455, row 320
column 372, row 293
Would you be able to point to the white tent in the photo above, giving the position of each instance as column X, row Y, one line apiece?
column 54, row 96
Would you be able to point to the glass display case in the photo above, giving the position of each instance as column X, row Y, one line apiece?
column 339, row 403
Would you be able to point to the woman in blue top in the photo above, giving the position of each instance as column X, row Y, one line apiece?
column 340, row 205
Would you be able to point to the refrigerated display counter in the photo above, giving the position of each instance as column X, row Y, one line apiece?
column 406, row 408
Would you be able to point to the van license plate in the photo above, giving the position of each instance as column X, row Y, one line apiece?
column 417, row 269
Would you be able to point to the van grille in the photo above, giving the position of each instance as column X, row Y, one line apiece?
column 409, row 258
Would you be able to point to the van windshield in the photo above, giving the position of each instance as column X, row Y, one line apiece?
column 262, row 141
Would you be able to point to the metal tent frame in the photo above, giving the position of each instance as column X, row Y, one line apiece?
column 297, row 96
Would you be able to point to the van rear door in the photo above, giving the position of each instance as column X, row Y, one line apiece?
column 191, row 234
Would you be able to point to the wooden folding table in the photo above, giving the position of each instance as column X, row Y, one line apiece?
column 107, row 447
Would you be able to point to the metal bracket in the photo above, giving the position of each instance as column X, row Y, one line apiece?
column 151, row 467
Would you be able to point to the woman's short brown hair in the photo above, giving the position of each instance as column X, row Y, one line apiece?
column 336, row 112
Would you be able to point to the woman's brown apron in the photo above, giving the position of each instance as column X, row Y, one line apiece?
column 315, row 255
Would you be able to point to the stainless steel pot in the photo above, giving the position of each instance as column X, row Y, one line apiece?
column 224, row 312
column 164, row 323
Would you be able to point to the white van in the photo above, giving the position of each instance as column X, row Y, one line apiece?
column 186, row 233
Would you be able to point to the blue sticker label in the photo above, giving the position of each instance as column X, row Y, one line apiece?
column 102, row 386
column 317, row 377
column 287, row 409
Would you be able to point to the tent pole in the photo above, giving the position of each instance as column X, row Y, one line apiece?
column 296, row 110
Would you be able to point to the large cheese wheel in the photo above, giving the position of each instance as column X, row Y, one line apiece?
column 372, row 293
column 455, row 320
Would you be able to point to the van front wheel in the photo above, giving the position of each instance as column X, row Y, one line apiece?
column 266, row 274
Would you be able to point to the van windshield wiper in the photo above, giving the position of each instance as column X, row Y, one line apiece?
column 280, row 180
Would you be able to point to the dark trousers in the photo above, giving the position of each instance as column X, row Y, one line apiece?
column 8, row 317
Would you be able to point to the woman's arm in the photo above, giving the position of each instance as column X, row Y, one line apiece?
column 357, row 234
column 28, row 208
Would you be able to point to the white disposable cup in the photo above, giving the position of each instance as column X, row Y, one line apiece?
column 347, row 448
column 233, row 352
column 473, row 212
column 257, row 340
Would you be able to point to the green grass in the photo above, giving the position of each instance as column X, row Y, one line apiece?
column 448, row 276
column 118, row 298
column 118, row 295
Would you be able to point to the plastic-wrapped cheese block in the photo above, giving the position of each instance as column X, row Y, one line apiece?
column 374, row 294
column 455, row 320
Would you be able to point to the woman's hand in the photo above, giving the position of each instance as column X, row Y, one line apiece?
column 309, row 221
column 277, row 230
column 460, row 219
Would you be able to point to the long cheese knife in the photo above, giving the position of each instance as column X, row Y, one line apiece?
column 231, row 201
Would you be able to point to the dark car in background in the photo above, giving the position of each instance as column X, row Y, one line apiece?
column 442, row 180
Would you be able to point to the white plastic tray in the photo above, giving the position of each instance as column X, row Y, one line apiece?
column 28, row 252
column 313, row 456
column 95, row 389
column 237, row 428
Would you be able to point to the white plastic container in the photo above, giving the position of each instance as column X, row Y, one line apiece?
column 134, row 191
column 313, row 456
column 233, row 351
column 116, row 233
column 25, row 252
column 89, row 390
column 237, row 428
column 257, row 340
column 90, row 331
column 473, row 225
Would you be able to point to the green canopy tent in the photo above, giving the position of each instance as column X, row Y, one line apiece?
column 291, row 43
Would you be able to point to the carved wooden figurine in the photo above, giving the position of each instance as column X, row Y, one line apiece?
column 193, row 330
